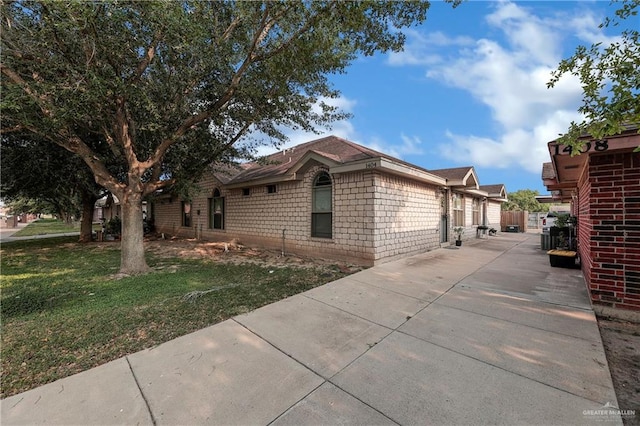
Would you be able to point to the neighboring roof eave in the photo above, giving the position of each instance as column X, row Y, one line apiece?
column 546, row 199
column 476, row 192
column 501, row 192
column 459, row 178
column 568, row 169
column 107, row 201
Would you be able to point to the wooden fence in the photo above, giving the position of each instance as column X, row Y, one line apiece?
column 514, row 221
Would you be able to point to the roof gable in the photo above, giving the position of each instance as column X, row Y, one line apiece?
column 331, row 151
column 495, row 191
column 464, row 177
column 282, row 163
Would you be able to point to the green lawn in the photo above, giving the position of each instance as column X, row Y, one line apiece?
column 47, row 226
column 63, row 311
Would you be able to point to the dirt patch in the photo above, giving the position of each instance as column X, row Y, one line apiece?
column 622, row 346
column 237, row 253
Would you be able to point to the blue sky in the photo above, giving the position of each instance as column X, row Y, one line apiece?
column 470, row 88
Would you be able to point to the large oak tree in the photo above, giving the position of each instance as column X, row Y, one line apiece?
column 168, row 87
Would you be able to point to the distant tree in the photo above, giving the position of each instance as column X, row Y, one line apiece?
column 22, row 205
column 172, row 86
column 610, row 77
column 39, row 177
column 524, row 199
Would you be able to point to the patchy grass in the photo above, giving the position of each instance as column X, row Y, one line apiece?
column 63, row 311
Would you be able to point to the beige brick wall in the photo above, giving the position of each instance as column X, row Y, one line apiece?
column 376, row 216
column 493, row 214
column 407, row 216
column 260, row 218
column 167, row 217
column 470, row 229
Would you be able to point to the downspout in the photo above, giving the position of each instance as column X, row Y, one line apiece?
column 484, row 211
column 445, row 213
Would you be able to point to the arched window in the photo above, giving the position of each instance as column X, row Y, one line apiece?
column 216, row 210
column 321, row 206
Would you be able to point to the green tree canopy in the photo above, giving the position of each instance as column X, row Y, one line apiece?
column 610, row 78
column 524, row 199
column 171, row 86
column 42, row 177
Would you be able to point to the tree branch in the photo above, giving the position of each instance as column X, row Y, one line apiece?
column 148, row 57
column 16, row 128
column 13, row 76
column 151, row 187
column 227, row 33
column 261, row 33
column 123, row 136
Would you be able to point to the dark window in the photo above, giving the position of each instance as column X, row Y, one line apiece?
column 246, row 191
column 186, row 214
column 216, row 211
column 321, row 209
column 271, row 189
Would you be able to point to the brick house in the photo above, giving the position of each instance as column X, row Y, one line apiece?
column 332, row 198
column 603, row 186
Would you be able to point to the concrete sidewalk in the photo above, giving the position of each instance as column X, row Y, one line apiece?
column 485, row 334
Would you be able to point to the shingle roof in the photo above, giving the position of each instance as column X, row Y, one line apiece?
column 333, row 148
column 492, row 189
column 225, row 172
column 456, row 173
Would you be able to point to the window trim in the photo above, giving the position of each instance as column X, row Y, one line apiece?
column 217, row 195
column 316, row 188
column 475, row 211
column 458, row 218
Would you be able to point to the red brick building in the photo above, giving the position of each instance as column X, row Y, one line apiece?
column 603, row 186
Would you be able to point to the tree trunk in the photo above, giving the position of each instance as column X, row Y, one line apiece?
column 132, row 259
column 86, row 223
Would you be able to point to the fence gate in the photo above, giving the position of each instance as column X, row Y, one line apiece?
column 514, row 221
column 535, row 220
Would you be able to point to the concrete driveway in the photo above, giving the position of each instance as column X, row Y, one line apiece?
column 485, row 334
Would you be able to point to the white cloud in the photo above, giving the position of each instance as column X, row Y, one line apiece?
column 410, row 145
column 342, row 128
column 507, row 73
column 421, row 49
column 524, row 148
column 407, row 145
column 586, row 27
column 510, row 77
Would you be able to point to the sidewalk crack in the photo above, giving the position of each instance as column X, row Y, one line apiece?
column 144, row 398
